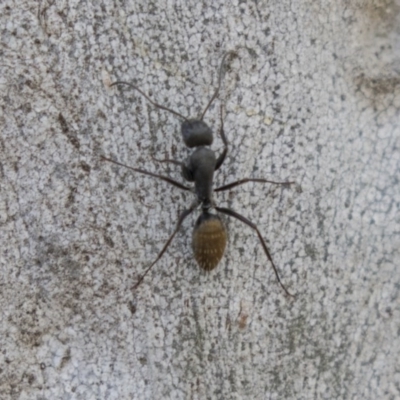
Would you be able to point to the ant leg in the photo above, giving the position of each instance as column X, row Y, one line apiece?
column 182, row 217
column 233, row 53
column 142, row 171
column 241, row 181
column 222, row 156
column 167, row 160
column 234, row 214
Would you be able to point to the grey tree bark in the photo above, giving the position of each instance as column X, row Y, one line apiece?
column 313, row 96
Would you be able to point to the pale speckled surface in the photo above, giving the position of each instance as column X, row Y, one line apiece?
column 314, row 98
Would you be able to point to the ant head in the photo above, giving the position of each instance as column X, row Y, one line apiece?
column 196, row 133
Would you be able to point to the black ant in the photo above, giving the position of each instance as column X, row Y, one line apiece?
column 209, row 234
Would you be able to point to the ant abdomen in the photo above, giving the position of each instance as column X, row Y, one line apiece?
column 196, row 133
column 209, row 240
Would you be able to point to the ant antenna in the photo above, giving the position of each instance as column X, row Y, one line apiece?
column 148, row 98
column 219, row 81
column 169, row 109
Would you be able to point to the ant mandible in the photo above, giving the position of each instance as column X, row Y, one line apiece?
column 209, row 234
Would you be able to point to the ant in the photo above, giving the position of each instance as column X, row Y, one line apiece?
column 209, row 234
